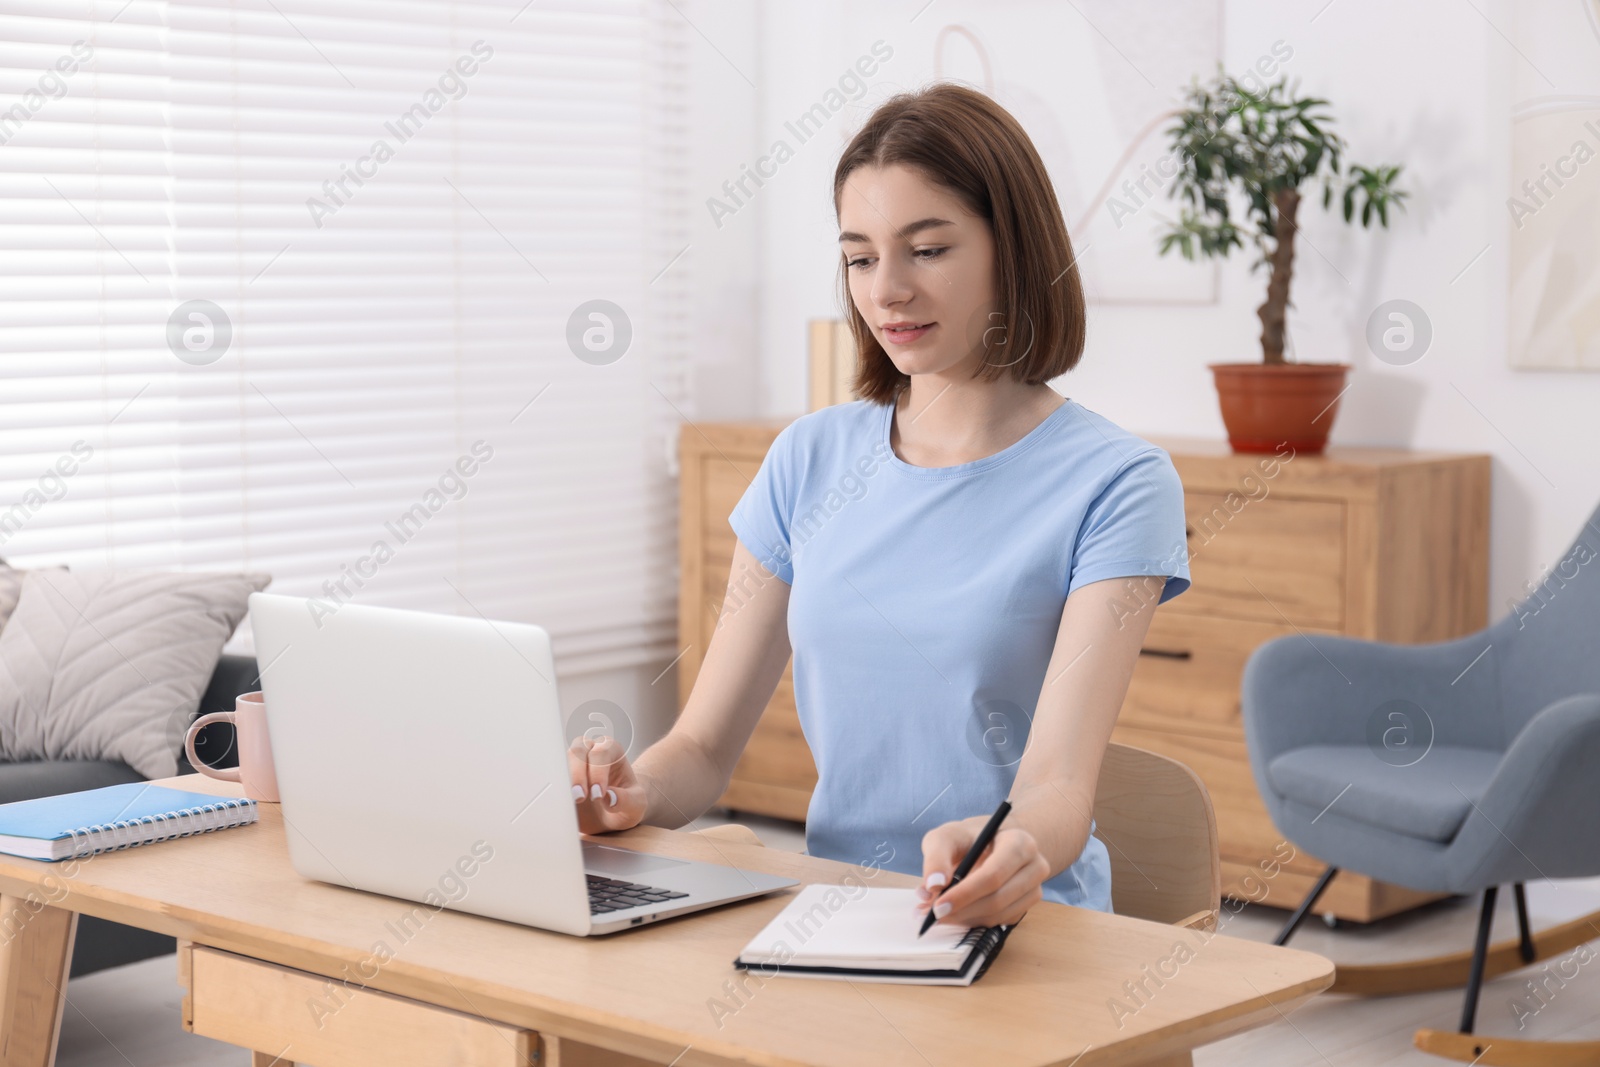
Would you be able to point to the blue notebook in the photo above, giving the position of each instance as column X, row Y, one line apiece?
column 116, row 816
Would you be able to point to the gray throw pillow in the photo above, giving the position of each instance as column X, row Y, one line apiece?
column 10, row 590
column 111, row 666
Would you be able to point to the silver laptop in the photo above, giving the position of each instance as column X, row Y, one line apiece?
column 422, row 756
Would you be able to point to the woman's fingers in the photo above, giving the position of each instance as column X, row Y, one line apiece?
column 1009, row 902
column 609, row 771
column 1000, row 887
column 985, row 878
column 604, row 763
column 986, row 875
column 604, row 787
column 943, row 848
column 607, row 754
column 599, row 767
column 578, row 767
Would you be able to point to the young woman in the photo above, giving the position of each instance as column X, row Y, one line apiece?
column 963, row 562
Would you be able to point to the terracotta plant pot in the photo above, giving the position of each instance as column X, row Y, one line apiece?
column 1268, row 407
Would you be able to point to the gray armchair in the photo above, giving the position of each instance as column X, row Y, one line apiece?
column 101, row 944
column 1456, row 767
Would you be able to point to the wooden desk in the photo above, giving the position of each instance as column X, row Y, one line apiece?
column 263, row 937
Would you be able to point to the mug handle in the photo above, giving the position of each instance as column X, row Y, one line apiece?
column 227, row 774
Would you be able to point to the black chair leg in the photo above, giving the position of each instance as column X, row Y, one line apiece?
column 1525, row 947
column 1480, row 952
column 1305, row 907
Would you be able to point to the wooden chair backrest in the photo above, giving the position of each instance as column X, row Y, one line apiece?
column 833, row 362
column 1156, row 819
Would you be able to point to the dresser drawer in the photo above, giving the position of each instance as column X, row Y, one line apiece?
column 1273, row 560
column 1187, row 676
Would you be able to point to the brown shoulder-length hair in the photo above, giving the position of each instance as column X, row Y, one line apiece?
column 964, row 141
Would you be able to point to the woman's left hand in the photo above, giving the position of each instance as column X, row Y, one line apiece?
column 1000, row 888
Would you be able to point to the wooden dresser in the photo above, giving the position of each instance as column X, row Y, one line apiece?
column 1375, row 543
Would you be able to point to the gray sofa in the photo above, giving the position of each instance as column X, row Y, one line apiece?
column 101, row 944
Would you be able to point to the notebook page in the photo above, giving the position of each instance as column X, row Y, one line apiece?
column 845, row 926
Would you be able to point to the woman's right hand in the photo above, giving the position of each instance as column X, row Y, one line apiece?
column 608, row 793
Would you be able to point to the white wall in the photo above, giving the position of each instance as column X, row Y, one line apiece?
column 727, row 89
column 721, row 262
column 1423, row 84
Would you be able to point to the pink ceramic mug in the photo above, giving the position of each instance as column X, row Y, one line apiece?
column 255, row 770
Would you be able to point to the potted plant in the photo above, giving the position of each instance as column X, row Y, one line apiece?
column 1266, row 144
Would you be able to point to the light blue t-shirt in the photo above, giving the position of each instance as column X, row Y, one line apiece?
column 925, row 604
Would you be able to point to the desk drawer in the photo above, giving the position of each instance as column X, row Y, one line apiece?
column 1187, row 676
column 304, row 1018
column 1272, row 560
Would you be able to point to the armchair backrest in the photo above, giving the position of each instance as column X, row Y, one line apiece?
column 1548, row 648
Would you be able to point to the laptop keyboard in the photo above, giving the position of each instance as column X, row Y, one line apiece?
column 613, row 894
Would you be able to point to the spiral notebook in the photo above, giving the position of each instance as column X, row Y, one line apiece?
column 113, row 817
column 869, row 935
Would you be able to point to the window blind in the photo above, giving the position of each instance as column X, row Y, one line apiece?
column 291, row 287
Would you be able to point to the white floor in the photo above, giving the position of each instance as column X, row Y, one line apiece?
column 128, row 1017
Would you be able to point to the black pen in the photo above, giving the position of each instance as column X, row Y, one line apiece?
column 985, row 836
